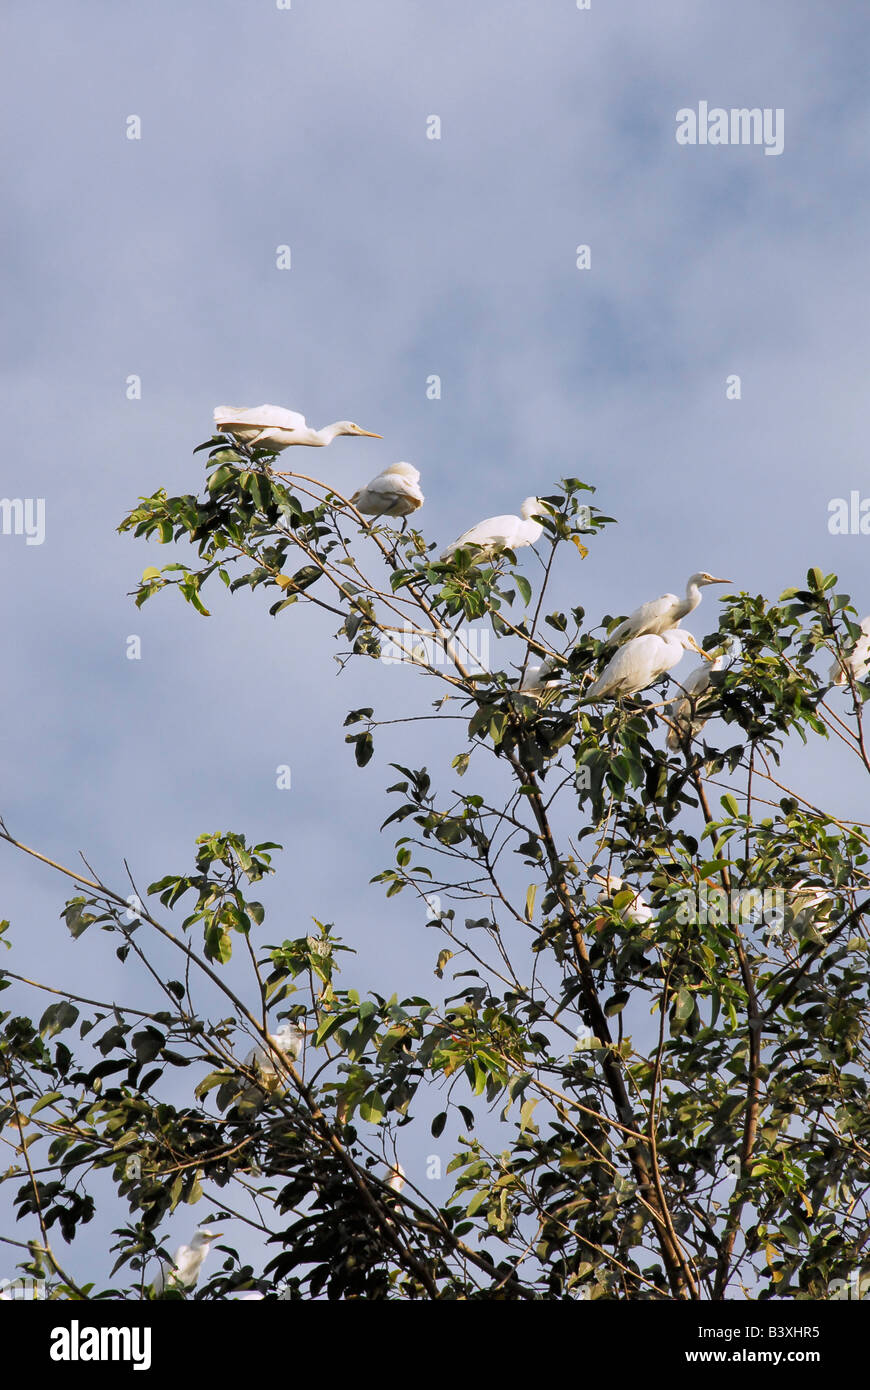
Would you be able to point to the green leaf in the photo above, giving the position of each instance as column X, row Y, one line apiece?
column 46, row 1100
column 685, row 1005
column 56, row 1018
column 372, row 1108
column 476, row 1202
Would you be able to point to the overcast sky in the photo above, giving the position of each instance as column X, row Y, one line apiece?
column 307, row 127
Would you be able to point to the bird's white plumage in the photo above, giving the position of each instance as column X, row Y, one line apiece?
column 857, row 662
column 273, row 427
column 396, row 1180
column 271, row 1079
column 394, row 492
column 506, row 532
column 638, row 911
column 660, row 614
column 640, row 662
column 184, row 1270
column 288, row 1040
column 681, row 709
column 536, row 679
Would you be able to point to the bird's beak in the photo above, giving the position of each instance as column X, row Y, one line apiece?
column 371, row 435
column 720, row 581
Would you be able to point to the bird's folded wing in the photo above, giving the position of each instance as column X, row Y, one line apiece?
column 393, row 486
column 263, row 415
column 493, row 531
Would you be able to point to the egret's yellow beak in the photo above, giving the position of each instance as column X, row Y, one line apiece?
column 720, row 581
column 371, row 435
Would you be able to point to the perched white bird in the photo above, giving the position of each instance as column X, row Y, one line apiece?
column 394, row 492
column 682, row 710
column 536, row 681
column 663, row 613
column 857, row 662
column 396, row 1180
column 184, row 1270
column 273, row 427
column 288, row 1040
column 638, row 911
column 502, row 532
column 263, row 1063
column 640, row 662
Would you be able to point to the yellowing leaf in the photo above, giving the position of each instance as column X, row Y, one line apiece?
column 530, row 902
column 150, row 573
column 580, row 546
column 443, row 957
column 283, row 581
column 526, row 1111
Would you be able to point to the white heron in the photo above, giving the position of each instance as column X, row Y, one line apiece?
column 502, row 532
column 394, row 492
column 272, row 427
column 262, row 1061
column 663, row 613
column 184, row 1270
column 536, row 680
column 638, row 911
column 265, row 1066
column 857, row 663
column 640, row 662
column 682, row 710
column 396, row 1180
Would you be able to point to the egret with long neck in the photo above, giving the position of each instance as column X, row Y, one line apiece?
column 274, row 428
column 663, row 613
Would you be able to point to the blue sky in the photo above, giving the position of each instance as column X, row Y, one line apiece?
column 410, row 256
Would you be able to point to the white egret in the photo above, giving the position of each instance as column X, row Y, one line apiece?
column 536, row 681
column 394, row 492
column 663, row 613
column 640, row 662
column 184, row 1270
column 857, row 663
column 262, row 1061
column 682, row 710
column 396, row 1180
column 272, row 427
column 638, row 911
column 265, row 1066
column 502, row 532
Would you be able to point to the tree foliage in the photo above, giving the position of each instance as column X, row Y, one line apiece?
column 667, row 1104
